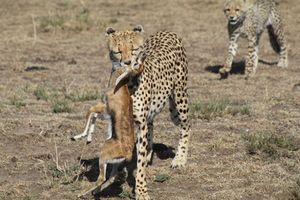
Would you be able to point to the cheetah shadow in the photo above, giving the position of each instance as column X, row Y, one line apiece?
column 267, row 62
column 161, row 151
column 93, row 173
column 237, row 67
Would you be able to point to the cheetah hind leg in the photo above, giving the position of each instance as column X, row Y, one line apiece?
column 150, row 143
column 179, row 116
column 278, row 41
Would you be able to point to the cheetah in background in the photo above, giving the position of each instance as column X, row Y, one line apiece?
column 164, row 78
column 249, row 18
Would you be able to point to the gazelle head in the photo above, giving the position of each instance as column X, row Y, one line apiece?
column 135, row 69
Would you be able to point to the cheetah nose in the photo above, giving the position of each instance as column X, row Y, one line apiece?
column 127, row 62
column 231, row 17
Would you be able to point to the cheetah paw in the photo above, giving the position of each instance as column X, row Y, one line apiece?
column 178, row 162
column 282, row 64
column 142, row 197
column 224, row 73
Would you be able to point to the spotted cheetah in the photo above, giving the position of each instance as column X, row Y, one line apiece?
column 163, row 79
column 249, row 18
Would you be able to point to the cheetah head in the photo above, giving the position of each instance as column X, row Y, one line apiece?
column 235, row 9
column 123, row 46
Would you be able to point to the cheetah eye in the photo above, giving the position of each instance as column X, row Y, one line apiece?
column 116, row 52
column 135, row 49
column 237, row 10
column 227, row 10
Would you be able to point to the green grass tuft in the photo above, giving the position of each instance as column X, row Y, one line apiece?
column 209, row 110
column 28, row 198
column 52, row 21
column 17, row 101
column 66, row 174
column 271, row 144
column 218, row 108
column 84, row 95
column 161, row 178
column 41, row 93
column 242, row 110
column 61, row 105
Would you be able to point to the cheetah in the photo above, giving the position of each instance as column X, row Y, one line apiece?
column 163, row 79
column 248, row 19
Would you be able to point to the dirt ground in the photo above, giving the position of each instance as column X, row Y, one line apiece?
column 54, row 65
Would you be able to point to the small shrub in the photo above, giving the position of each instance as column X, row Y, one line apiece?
column 85, row 95
column 66, row 174
column 41, row 93
column 218, row 108
column 209, row 110
column 242, row 110
column 83, row 21
column 84, row 16
column 17, row 101
column 61, row 105
column 64, row 4
column 161, row 178
column 271, row 144
column 113, row 20
column 28, row 198
column 26, row 88
column 52, row 21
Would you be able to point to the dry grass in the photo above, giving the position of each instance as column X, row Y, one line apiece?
column 54, row 64
column 272, row 144
column 218, row 108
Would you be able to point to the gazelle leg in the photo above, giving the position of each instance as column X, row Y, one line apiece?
column 92, row 127
column 85, row 132
column 91, row 116
column 113, row 152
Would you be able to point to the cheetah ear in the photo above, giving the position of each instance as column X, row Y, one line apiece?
column 109, row 30
column 138, row 28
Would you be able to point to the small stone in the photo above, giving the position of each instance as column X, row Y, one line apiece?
column 296, row 87
column 72, row 62
column 14, row 159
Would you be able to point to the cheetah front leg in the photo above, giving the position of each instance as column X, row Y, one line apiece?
column 232, row 49
column 150, row 142
column 252, row 59
column 180, row 116
column 141, row 192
